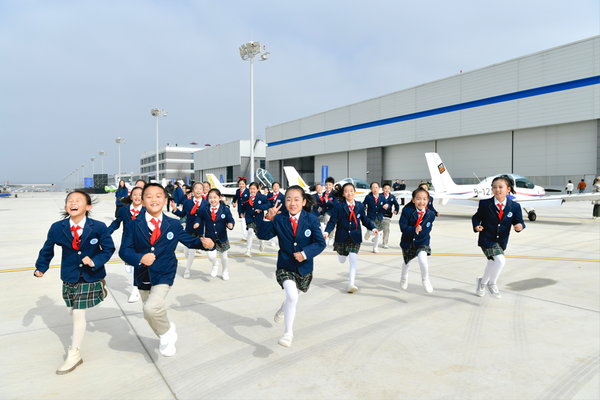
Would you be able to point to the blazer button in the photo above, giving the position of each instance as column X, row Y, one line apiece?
column 295, row 244
column 81, row 265
column 151, row 248
column 78, row 252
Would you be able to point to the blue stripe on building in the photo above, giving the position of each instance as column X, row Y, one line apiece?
column 558, row 87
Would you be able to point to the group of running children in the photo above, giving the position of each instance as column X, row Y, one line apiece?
column 301, row 222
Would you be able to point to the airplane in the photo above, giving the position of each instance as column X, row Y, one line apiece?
column 6, row 190
column 215, row 183
column 527, row 194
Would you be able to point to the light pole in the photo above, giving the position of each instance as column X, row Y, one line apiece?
column 157, row 113
column 102, row 153
column 93, row 160
column 248, row 51
column 119, row 141
column 83, row 175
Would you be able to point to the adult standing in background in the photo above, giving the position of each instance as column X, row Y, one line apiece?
column 402, row 187
column 170, row 189
column 396, row 186
column 581, row 187
column 596, row 203
column 570, row 187
column 120, row 194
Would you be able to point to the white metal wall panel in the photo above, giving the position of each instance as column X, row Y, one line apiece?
column 499, row 117
column 337, row 165
column 399, row 103
column 275, row 152
column 336, row 143
column 568, row 149
column 290, row 130
column 337, row 118
column 314, row 123
column 273, row 134
column 406, row 161
column 398, row 133
column 357, row 164
column 365, row 111
column 438, row 126
column 311, row 147
column 483, row 155
column 364, row 138
column 438, row 94
column 491, row 81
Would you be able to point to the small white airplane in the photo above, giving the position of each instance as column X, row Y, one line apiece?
column 227, row 192
column 527, row 194
column 6, row 190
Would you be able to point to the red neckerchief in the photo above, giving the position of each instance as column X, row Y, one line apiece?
column 421, row 216
column 251, row 200
column 195, row 208
column 352, row 215
column 375, row 198
column 274, row 196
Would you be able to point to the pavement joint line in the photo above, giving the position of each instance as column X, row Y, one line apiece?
column 119, row 261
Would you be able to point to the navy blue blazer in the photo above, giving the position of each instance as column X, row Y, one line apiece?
column 188, row 205
column 408, row 220
column 340, row 219
column 430, row 205
column 309, row 239
column 374, row 211
column 178, row 196
column 95, row 243
column 216, row 229
column 495, row 231
column 124, row 215
column 261, row 203
column 331, row 202
column 119, row 194
column 136, row 243
column 323, row 202
column 272, row 198
column 392, row 206
column 239, row 199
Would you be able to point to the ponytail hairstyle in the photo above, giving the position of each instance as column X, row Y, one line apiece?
column 310, row 199
column 509, row 182
column 88, row 200
column 128, row 200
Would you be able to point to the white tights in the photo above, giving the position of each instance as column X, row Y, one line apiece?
column 190, row 254
column 492, row 270
column 212, row 256
column 250, row 238
column 243, row 223
column 289, row 308
column 79, row 324
column 377, row 239
column 353, row 265
column 422, row 256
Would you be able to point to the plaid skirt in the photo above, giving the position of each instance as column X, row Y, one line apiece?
column 302, row 282
column 221, row 247
column 343, row 249
column 83, row 295
column 490, row 252
column 411, row 252
column 378, row 224
column 321, row 219
column 252, row 225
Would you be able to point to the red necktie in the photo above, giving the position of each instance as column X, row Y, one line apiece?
column 501, row 212
column 156, row 231
column 214, row 213
column 76, row 240
column 421, row 213
column 375, row 199
column 204, row 196
column 195, row 208
column 134, row 213
column 274, row 195
column 294, row 224
column 251, row 201
column 352, row 215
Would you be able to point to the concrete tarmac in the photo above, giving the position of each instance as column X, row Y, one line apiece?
column 540, row 341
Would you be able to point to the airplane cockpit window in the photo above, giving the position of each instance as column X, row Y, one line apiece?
column 358, row 183
column 524, row 183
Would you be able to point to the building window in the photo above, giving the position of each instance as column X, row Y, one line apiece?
column 262, row 164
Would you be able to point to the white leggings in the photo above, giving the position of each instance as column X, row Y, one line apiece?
column 243, row 224
column 422, row 257
column 190, row 254
column 250, row 238
column 353, row 265
column 492, row 270
column 79, row 324
column 212, row 256
column 377, row 239
column 289, row 308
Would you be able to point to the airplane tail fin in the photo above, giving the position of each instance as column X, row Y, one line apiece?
column 214, row 182
column 294, row 178
column 440, row 177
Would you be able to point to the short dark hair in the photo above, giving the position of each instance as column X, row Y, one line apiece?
column 141, row 180
column 330, row 179
column 154, row 184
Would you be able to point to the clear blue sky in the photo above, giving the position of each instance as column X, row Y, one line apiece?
column 78, row 74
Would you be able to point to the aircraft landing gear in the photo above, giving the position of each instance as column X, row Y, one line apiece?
column 530, row 214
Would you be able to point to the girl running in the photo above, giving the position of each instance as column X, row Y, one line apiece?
column 374, row 203
column 241, row 196
column 253, row 213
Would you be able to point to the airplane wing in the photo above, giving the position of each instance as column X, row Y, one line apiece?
column 30, row 184
column 294, row 178
column 216, row 183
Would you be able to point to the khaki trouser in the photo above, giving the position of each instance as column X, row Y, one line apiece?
column 154, row 308
column 386, row 230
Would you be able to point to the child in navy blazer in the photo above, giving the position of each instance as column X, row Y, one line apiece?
column 332, row 200
column 322, row 205
column 254, row 207
column 430, row 203
column 348, row 235
column 190, row 208
column 132, row 209
column 86, row 247
column 416, row 223
column 300, row 241
column 242, row 194
column 391, row 208
column 374, row 202
column 149, row 244
column 216, row 219
column 493, row 221
column 276, row 197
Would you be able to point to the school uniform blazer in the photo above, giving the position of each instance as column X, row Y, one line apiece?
column 95, row 243
column 178, row 196
column 262, row 203
column 272, row 198
column 430, row 205
column 392, row 205
column 308, row 239
column 239, row 199
column 331, row 202
column 188, row 205
column 494, row 230
column 124, row 215
column 408, row 220
column 122, row 192
column 136, row 243
column 340, row 218
column 374, row 211
column 216, row 229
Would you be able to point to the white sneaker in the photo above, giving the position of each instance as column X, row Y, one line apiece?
column 128, row 268
column 427, row 286
column 135, row 295
column 200, row 251
column 214, row 270
column 375, row 250
column 480, row 291
column 248, row 254
column 286, row 340
column 404, row 282
column 245, row 239
column 367, row 235
column 167, row 342
column 279, row 314
column 186, row 274
column 262, row 246
column 225, row 275
column 493, row 289
column 352, row 289
column 385, row 246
